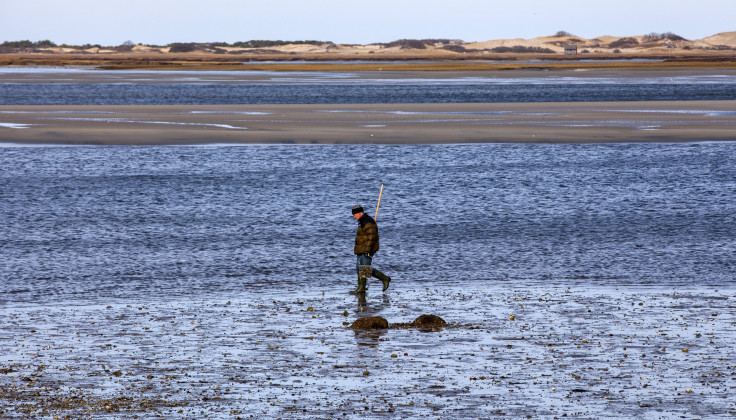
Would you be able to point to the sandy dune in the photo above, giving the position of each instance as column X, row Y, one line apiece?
column 723, row 43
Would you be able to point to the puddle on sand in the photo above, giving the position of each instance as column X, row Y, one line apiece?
column 527, row 351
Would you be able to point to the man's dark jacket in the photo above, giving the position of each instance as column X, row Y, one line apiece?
column 366, row 239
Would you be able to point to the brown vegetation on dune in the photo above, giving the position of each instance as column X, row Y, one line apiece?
column 418, row 54
column 398, row 62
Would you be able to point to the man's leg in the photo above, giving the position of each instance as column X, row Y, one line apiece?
column 384, row 278
column 361, row 285
column 361, row 280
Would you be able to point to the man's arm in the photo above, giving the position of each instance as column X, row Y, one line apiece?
column 371, row 235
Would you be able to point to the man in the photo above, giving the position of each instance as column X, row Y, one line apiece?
column 366, row 244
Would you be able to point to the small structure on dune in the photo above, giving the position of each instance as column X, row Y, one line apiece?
column 571, row 49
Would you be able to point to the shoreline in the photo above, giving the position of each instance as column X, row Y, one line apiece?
column 388, row 60
column 432, row 66
column 453, row 123
column 265, row 73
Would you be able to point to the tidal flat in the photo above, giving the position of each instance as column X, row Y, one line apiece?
column 578, row 122
column 538, row 351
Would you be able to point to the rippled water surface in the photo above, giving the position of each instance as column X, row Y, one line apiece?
column 22, row 86
column 91, row 222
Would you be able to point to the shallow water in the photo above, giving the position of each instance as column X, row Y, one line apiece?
column 29, row 86
column 95, row 223
column 199, row 265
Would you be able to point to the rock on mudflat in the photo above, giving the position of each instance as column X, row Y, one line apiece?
column 380, row 323
column 370, row 323
column 428, row 321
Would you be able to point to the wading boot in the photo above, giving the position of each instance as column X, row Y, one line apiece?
column 361, row 287
column 384, row 278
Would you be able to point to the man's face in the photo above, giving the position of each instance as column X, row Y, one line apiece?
column 357, row 216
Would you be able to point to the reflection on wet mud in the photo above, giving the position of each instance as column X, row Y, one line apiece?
column 526, row 351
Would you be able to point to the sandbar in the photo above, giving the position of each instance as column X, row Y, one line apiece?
column 569, row 122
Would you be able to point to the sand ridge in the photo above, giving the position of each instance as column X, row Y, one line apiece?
column 588, row 122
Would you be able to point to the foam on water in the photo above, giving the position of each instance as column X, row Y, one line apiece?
column 14, row 125
column 129, row 121
column 53, row 112
column 709, row 113
column 231, row 112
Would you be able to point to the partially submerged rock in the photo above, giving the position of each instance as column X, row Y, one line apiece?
column 428, row 321
column 370, row 323
column 380, row 323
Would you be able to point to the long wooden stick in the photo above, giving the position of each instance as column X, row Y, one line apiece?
column 379, row 203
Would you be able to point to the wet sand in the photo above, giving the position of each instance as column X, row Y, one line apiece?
column 521, row 351
column 297, row 72
column 674, row 121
